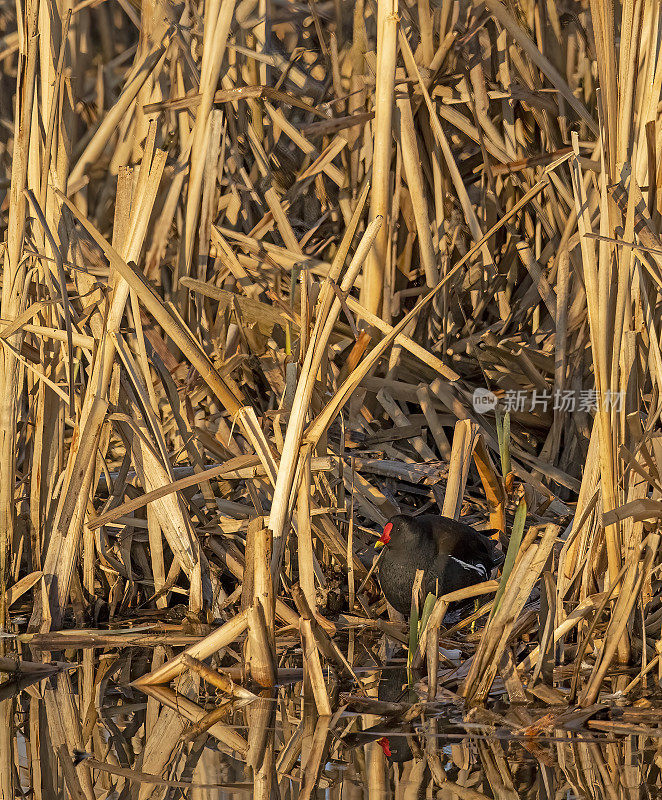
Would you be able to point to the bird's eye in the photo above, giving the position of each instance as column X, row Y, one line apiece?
column 385, row 538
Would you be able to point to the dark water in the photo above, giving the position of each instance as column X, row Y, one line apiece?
column 87, row 731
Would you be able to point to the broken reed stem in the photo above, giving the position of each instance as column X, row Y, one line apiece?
column 217, row 679
column 261, row 643
column 463, row 444
column 221, row 637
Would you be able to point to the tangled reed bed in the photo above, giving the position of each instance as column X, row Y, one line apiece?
column 259, row 258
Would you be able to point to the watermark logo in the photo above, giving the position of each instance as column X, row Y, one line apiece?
column 586, row 400
column 484, row 400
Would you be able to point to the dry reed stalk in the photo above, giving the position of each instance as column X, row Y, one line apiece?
column 326, row 315
column 73, row 503
column 581, row 612
column 464, row 440
column 304, row 533
column 211, row 718
column 439, row 610
column 495, row 494
column 506, row 19
column 162, row 740
column 313, row 668
column 625, row 602
column 592, row 292
column 414, row 176
column 220, row 638
column 442, row 140
column 65, row 727
column 318, row 428
column 187, row 709
column 219, row 18
column 387, row 47
column 12, row 290
column 399, row 418
column 404, row 341
column 135, row 81
column 520, row 582
column 311, row 768
column 217, row 679
column 261, row 741
column 179, row 334
column 260, row 644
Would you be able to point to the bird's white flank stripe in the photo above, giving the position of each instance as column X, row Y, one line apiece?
column 479, row 568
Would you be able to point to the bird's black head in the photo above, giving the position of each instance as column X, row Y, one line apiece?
column 398, row 532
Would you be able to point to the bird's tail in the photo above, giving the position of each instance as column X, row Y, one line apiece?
column 489, row 539
column 497, row 557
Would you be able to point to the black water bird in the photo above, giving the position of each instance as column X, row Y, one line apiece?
column 452, row 554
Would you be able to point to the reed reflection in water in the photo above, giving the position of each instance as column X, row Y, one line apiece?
column 86, row 732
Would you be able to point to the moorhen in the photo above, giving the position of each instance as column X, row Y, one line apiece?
column 399, row 741
column 453, row 555
column 392, row 737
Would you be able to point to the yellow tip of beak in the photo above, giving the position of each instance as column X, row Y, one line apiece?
column 379, row 545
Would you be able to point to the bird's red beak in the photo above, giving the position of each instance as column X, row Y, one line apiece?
column 384, row 744
column 385, row 538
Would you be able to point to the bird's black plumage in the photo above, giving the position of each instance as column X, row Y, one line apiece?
column 392, row 737
column 453, row 556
